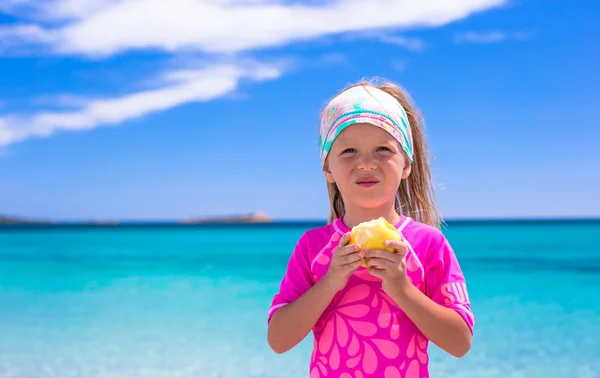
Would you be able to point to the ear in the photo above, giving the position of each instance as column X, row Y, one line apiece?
column 328, row 175
column 406, row 170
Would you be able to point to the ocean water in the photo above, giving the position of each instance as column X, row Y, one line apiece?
column 192, row 301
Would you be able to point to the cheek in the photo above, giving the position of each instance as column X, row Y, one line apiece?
column 343, row 167
column 397, row 164
column 393, row 171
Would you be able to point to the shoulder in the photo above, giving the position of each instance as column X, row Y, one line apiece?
column 322, row 232
column 423, row 235
column 428, row 242
column 313, row 240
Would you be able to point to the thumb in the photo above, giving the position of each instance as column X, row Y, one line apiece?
column 345, row 239
column 399, row 245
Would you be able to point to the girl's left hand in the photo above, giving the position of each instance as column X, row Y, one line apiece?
column 390, row 267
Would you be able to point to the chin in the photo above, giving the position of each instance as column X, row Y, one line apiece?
column 371, row 203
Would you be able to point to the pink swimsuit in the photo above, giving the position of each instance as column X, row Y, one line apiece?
column 363, row 333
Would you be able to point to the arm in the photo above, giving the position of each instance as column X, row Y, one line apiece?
column 442, row 325
column 443, row 315
column 292, row 322
column 302, row 303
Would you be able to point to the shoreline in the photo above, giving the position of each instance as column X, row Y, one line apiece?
column 275, row 223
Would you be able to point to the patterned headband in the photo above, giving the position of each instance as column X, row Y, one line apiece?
column 362, row 104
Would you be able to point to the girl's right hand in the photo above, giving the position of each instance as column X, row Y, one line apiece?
column 345, row 260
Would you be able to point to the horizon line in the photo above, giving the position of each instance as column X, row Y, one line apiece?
column 24, row 222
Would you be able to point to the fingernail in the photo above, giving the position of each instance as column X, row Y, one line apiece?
column 387, row 243
column 356, row 247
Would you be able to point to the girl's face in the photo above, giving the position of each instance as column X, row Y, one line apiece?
column 367, row 164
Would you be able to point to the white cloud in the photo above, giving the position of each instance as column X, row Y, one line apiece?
column 54, row 10
column 103, row 28
column 11, row 6
column 179, row 87
column 20, row 37
column 489, row 37
column 474, row 37
column 107, row 27
column 65, row 100
column 409, row 43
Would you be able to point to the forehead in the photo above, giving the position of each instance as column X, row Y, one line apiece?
column 364, row 132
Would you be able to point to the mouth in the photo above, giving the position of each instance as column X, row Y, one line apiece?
column 367, row 183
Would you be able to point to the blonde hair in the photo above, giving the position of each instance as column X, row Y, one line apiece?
column 415, row 197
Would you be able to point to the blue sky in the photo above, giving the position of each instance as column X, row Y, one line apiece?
column 167, row 110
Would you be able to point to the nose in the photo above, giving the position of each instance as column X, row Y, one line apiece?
column 367, row 163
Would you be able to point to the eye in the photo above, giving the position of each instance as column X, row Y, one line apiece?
column 348, row 150
column 384, row 149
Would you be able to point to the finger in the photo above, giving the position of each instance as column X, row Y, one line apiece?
column 381, row 254
column 352, row 258
column 381, row 263
column 379, row 273
column 399, row 245
column 348, row 249
column 352, row 267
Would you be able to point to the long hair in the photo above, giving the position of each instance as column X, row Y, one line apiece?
column 415, row 197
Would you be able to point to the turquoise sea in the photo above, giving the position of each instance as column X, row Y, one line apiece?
column 191, row 301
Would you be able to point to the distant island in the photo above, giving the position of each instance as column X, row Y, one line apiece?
column 28, row 221
column 257, row 217
column 17, row 220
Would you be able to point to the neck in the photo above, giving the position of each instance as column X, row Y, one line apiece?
column 355, row 215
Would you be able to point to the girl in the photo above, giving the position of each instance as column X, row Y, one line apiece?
column 373, row 321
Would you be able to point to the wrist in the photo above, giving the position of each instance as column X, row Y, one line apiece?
column 328, row 285
column 402, row 292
